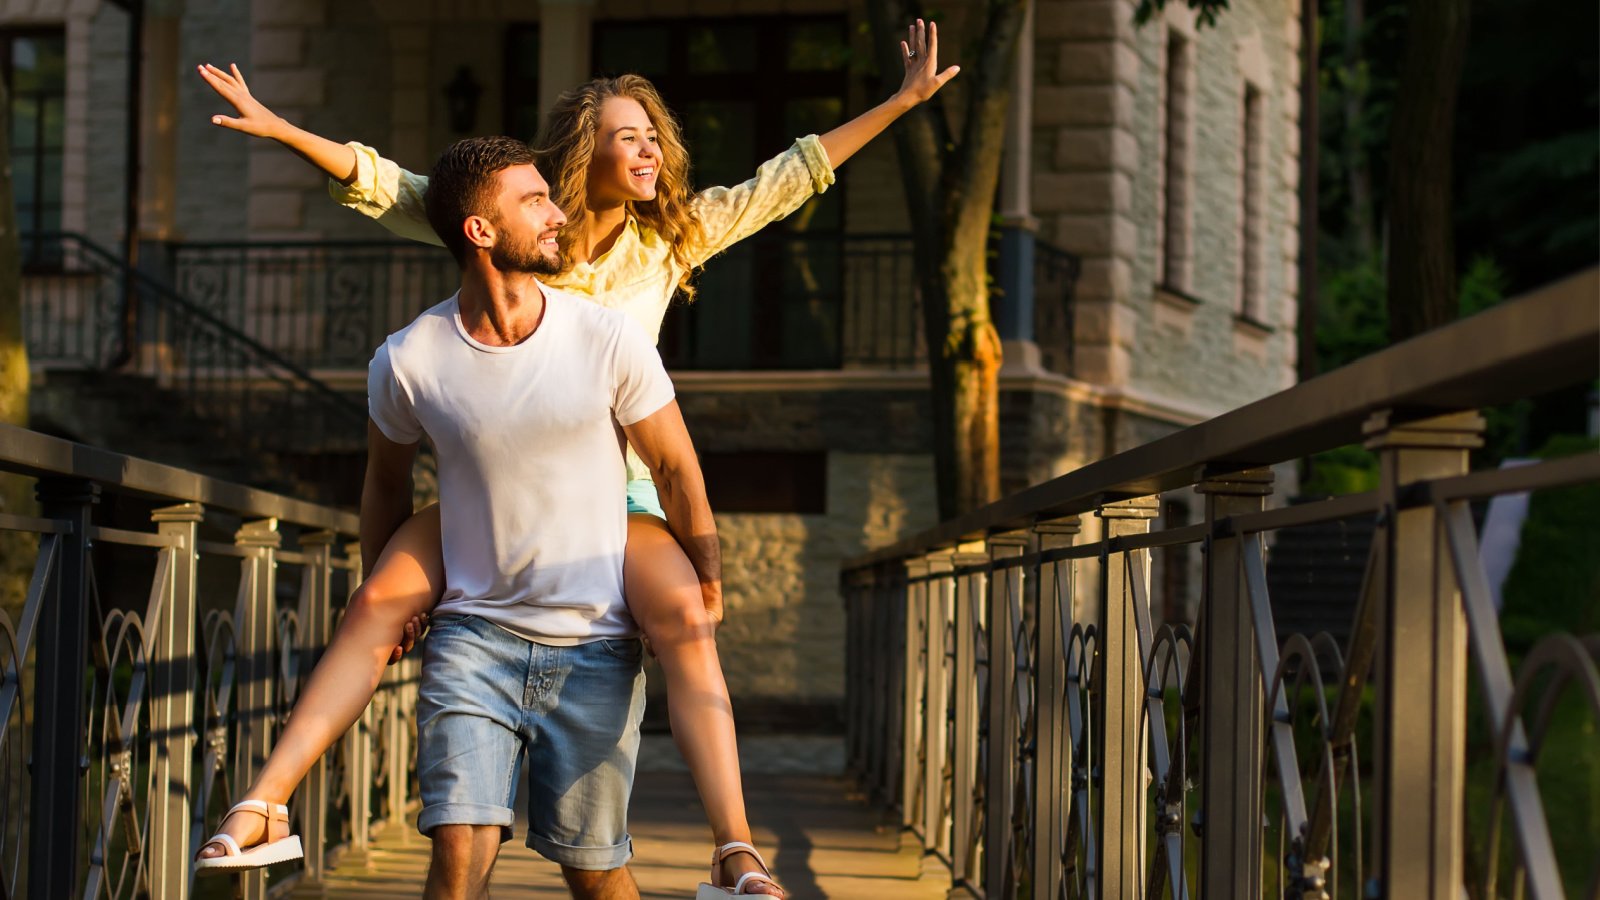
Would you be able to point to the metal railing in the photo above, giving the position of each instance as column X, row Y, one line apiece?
column 777, row 301
column 1009, row 691
column 197, row 363
column 149, row 667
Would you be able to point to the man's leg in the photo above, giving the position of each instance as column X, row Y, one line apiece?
column 469, row 713
column 463, row 857
column 585, row 723
column 612, row 884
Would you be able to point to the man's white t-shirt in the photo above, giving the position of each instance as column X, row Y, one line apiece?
column 532, row 485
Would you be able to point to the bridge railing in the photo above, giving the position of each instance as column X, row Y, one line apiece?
column 1044, row 735
column 166, row 628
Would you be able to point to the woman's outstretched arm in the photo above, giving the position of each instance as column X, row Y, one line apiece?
column 361, row 179
column 337, row 160
column 920, row 53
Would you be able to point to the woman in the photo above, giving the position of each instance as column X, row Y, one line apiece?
column 636, row 234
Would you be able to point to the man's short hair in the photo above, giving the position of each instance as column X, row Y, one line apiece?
column 463, row 184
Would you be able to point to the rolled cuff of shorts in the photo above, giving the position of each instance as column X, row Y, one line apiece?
column 593, row 859
column 432, row 817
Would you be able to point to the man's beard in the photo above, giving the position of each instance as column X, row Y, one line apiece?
column 511, row 255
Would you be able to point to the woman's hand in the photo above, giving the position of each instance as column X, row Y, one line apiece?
column 920, row 53
column 253, row 118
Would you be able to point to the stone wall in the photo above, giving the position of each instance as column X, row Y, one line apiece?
column 1098, row 125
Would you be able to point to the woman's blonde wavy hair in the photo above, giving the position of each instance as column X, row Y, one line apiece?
column 566, row 145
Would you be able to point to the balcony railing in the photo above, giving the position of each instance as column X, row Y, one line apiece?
column 198, row 362
column 777, row 301
column 167, row 627
column 1042, row 734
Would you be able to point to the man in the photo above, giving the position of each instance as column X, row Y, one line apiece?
column 521, row 390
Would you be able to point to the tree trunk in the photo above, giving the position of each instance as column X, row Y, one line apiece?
column 1422, row 265
column 17, row 549
column 1359, row 173
column 13, row 350
column 950, row 182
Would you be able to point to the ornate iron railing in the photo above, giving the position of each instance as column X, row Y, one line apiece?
column 777, row 301
column 1010, row 692
column 144, row 675
column 196, row 364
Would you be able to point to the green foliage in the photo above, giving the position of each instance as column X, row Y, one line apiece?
column 1555, row 583
column 1206, row 11
column 1345, row 470
column 1352, row 309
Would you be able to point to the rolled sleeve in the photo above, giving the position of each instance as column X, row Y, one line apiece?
column 780, row 186
column 387, row 194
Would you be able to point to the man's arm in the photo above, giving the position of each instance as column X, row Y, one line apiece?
column 385, row 494
column 662, row 441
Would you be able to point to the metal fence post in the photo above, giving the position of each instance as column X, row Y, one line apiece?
column 256, row 625
column 1123, row 766
column 969, row 592
column 1232, row 696
column 172, row 690
column 912, row 686
column 936, row 740
column 1422, row 666
column 60, row 706
column 1052, row 751
column 314, row 632
column 358, row 750
column 1005, row 618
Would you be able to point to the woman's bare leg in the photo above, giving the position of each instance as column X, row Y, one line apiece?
column 407, row 581
column 663, row 594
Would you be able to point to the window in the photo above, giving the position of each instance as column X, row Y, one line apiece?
column 767, row 482
column 744, row 89
column 1250, row 217
column 522, row 83
column 33, row 63
column 1174, row 261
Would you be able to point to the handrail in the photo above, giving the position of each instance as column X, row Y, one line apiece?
column 1544, row 340
column 1015, row 693
column 42, row 456
column 168, row 295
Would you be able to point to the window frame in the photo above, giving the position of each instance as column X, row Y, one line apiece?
column 8, row 36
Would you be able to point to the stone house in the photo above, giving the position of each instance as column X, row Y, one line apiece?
column 1149, row 217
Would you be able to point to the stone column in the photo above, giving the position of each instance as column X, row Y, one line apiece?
column 290, row 85
column 1013, row 311
column 158, row 133
column 564, row 38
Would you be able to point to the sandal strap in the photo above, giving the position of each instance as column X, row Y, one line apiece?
column 747, row 877
column 269, row 811
column 230, row 847
column 726, row 850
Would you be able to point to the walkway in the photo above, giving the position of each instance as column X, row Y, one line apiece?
column 822, row 841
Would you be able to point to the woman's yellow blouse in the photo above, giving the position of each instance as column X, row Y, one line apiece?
column 639, row 274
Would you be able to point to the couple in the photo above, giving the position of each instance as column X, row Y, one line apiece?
column 522, row 387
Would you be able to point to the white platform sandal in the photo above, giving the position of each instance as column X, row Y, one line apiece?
column 717, row 892
column 270, row 851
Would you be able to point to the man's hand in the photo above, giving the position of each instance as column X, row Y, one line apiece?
column 408, row 638
column 253, row 118
column 920, row 53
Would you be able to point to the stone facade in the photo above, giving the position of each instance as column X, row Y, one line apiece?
column 1150, row 355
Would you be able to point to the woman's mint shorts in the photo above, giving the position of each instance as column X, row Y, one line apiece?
column 642, row 498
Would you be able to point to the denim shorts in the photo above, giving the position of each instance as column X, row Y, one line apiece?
column 486, row 693
column 642, row 498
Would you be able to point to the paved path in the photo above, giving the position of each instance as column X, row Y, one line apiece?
column 822, row 842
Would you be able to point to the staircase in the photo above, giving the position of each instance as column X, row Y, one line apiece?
column 1314, row 577
column 180, row 385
